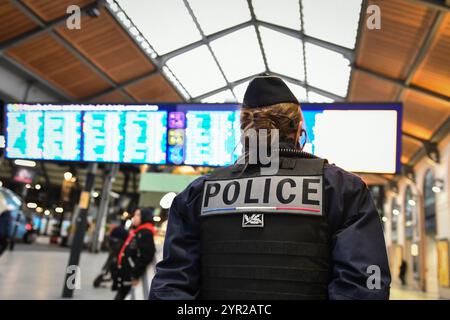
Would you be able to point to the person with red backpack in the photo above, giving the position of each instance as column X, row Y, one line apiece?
column 136, row 253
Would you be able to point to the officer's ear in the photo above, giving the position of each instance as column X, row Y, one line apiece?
column 298, row 136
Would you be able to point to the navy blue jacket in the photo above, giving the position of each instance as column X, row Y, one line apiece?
column 357, row 242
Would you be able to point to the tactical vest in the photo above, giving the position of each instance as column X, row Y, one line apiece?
column 265, row 237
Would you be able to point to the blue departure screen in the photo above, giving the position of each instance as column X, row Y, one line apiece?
column 196, row 134
column 129, row 137
column 62, row 135
column 24, row 134
column 212, row 138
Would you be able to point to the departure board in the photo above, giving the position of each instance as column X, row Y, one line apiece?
column 24, row 134
column 128, row 137
column 212, row 138
column 347, row 134
column 62, row 135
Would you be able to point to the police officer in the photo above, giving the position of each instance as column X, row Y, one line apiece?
column 310, row 230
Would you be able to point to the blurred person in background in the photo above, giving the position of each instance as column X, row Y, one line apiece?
column 116, row 239
column 135, row 254
column 402, row 274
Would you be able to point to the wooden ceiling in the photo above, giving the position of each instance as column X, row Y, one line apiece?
column 98, row 61
column 407, row 60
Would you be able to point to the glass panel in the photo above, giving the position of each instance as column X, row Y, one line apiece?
column 197, row 71
column 327, row 70
column 284, row 53
column 166, row 24
column 216, row 15
column 239, row 91
column 221, row 97
column 315, row 97
column 298, row 91
column 285, row 13
column 239, row 54
column 342, row 20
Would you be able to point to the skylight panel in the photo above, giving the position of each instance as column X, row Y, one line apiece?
column 342, row 20
column 284, row 53
column 221, row 97
column 298, row 91
column 197, row 71
column 239, row 91
column 166, row 24
column 315, row 97
column 327, row 70
column 285, row 13
column 239, row 54
column 216, row 15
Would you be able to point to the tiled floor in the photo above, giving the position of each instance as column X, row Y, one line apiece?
column 403, row 294
column 37, row 272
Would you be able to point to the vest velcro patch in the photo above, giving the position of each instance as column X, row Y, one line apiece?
column 275, row 194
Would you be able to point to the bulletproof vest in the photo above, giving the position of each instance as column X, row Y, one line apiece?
column 265, row 237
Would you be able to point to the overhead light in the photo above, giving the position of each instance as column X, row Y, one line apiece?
column 1, row 183
column 157, row 219
column 384, row 219
column 114, row 195
column 59, row 210
column 409, row 223
column 37, row 187
column 25, row 163
column 68, row 176
column 167, row 199
column 31, row 205
column 438, row 186
column 95, row 194
column 47, row 212
column 396, row 212
column 125, row 215
column 39, row 210
column 411, row 202
column 28, row 186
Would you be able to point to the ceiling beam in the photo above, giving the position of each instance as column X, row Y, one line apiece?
column 423, row 51
column 434, row 4
column 218, row 90
column 346, row 52
column 442, row 132
column 122, row 85
column 401, row 84
column 287, row 78
column 162, row 59
column 309, row 87
column 361, row 25
column 258, row 34
column 52, row 88
column 207, row 43
column 66, row 44
column 41, row 30
column 153, row 60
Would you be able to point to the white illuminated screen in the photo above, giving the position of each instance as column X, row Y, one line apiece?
column 355, row 140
